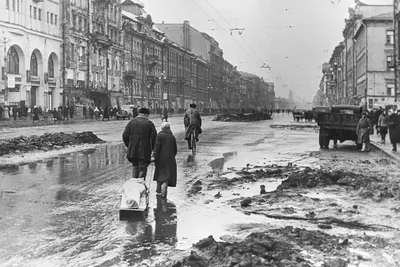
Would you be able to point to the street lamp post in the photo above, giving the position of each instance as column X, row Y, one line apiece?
column 5, row 41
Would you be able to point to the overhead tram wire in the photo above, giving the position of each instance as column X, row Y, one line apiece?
column 251, row 49
column 225, row 30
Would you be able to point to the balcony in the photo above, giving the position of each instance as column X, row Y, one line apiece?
column 182, row 80
column 129, row 74
column 152, row 79
column 152, row 61
column 82, row 65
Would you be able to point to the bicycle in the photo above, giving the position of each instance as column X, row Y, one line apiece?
column 193, row 141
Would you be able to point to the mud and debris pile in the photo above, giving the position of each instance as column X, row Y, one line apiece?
column 239, row 117
column 46, row 142
column 286, row 246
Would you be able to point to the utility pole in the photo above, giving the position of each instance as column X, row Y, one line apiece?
column 5, row 41
column 88, row 49
column 64, row 15
column 395, row 30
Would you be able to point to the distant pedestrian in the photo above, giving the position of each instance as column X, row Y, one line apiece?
column 163, row 156
column 45, row 114
column 394, row 129
column 35, row 113
column 364, row 129
column 383, row 126
column 106, row 114
column 84, row 112
column 91, row 112
column 15, row 112
column 55, row 114
column 71, row 111
column 165, row 114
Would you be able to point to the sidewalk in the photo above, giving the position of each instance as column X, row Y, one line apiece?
column 27, row 122
column 385, row 148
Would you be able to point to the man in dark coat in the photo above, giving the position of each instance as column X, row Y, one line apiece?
column 106, row 114
column 394, row 129
column 163, row 155
column 165, row 114
column 140, row 137
column 15, row 112
column 35, row 114
column 192, row 121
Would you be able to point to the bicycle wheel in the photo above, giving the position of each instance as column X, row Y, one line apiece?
column 193, row 142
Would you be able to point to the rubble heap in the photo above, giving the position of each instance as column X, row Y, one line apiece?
column 277, row 247
column 47, row 141
column 236, row 117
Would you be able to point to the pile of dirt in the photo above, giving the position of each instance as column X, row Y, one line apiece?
column 248, row 176
column 284, row 247
column 27, row 123
column 46, row 142
column 258, row 116
column 296, row 127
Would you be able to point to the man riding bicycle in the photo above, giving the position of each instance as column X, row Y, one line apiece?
column 192, row 122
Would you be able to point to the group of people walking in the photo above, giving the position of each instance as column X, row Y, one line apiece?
column 145, row 145
column 385, row 121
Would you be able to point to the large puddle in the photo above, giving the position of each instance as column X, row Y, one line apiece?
column 65, row 209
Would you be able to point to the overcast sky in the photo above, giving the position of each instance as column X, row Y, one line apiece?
column 293, row 37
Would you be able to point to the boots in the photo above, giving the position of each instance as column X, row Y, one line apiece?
column 164, row 189
column 363, row 147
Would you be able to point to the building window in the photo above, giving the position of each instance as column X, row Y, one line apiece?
column 34, row 12
column 13, row 3
column 390, row 62
column 80, row 23
column 13, row 61
column 39, row 14
column 51, row 18
column 55, row 19
column 390, row 37
column 17, row 5
column 34, row 65
column 8, row 4
column 50, row 67
column 30, row 11
column 390, row 89
column 48, row 17
column 73, row 52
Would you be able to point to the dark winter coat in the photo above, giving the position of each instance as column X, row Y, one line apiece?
column 192, row 120
column 139, row 137
column 364, row 129
column 394, row 128
column 164, row 153
column 106, row 113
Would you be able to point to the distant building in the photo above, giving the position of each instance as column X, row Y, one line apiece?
column 32, row 39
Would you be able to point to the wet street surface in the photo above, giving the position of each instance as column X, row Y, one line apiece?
column 63, row 211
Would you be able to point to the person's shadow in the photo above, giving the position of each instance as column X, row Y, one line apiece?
column 143, row 240
column 166, row 222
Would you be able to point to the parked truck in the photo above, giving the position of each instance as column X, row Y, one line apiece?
column 338, row 124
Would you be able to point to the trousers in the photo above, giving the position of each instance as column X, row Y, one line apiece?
column 139, row 168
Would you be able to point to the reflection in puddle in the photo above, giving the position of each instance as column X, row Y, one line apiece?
column 146, row 238
column 218, row 164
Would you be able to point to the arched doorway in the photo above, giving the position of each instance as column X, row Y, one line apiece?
column 13, row 61
column 50, row 95
column 36, row 71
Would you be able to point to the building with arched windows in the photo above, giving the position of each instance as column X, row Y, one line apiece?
column 30, row 58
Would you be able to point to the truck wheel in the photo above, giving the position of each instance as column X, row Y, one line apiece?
column 326, row 141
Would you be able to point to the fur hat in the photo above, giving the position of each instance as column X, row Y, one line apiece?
column 144, row 111
column 193, row 105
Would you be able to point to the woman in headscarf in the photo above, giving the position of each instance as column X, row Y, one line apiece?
column 364, row 129
column 163, row 155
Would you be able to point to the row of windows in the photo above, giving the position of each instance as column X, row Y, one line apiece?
column 13, row 63
column 79, row 22
column 36, row 13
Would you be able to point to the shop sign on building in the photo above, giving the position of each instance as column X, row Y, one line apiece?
column 10, row 81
